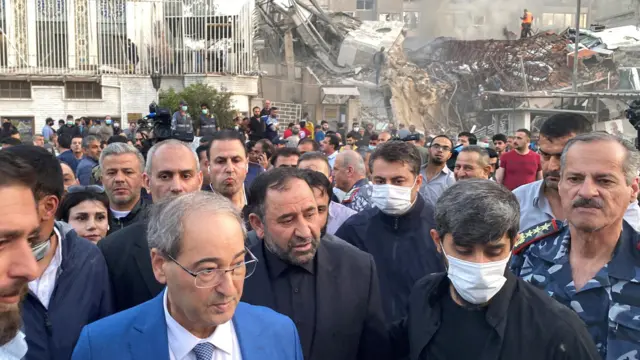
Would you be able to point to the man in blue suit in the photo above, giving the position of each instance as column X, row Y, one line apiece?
column 197, row 250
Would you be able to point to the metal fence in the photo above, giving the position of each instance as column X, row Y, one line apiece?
column 92, row 37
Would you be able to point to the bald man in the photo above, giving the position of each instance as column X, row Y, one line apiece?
column 350, row 176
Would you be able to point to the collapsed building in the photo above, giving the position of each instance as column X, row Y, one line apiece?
column 446, row 86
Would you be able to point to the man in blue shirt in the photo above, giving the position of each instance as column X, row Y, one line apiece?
column 92, row 150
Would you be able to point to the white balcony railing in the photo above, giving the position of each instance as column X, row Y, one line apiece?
column 94, row 37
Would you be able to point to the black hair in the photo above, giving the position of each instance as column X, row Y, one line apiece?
column 526, row 131
column 492, row 153
column 473, row 140
column 398, row 151
column 290, row 125
column 562, row 125
column 314, row 155
column 374, row 136
column 225, row 135
column 204, row 105
column 200, row 149
column 499, row 137
column 333, row 140
column 324, row 122
column 48, row 171
column 10, row 141
column 117, row 139
column 285, row 153
column 64, row 140
column 443, row 136
column 15, row 171
column 307, row 140
column 266, row 146
column 77, row 136
column 317, row 180
column 274, row 179
column 73, row 199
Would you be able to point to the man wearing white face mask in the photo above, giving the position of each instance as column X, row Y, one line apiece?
column 478, row 299
column 396, row 230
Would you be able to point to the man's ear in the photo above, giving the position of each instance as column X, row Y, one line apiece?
column 158, row 263
column 436, row 240
column 145, row 182
column 257, row 225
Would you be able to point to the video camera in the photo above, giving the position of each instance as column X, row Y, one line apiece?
column 633, row 114
column 164, row 126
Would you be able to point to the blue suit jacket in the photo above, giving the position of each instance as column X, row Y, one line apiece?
column 140, row 333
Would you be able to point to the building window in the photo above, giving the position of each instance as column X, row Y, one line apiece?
column 562, row 20
column 83, row 90
column 51, row 33
column 364, row 4
column 3, row 40
column 412, row 19
column 15, row 89
column 113, row 48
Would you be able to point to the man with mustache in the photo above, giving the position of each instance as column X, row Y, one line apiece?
column 540, row 201
column 18, row 228
column 437, row 176
column 197, row 249
column 590, row 263
column 328, row 287
column 228, row 166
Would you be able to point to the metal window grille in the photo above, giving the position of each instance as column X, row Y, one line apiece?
column 10, row 89
column 51, row 34
column 83, row 90
column 3, row 40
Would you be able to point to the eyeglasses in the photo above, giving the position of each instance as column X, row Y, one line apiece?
column 209, row 278
column 96, row 189
column 443, row 148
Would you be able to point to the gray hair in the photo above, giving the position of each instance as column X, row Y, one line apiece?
column 88, row 140
column 121, row 149
column 477, row 211
column 631, row 159
column 483, row 154
column 352, row 158
column 165, row 229
column 157, row 146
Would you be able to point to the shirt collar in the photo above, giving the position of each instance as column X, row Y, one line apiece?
column 277, row 266
column 181, row 341
column 14, row 349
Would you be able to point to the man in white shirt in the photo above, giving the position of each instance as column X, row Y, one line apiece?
column 18, row 226
column 197, row 250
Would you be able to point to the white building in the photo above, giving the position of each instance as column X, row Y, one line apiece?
column 94, row 58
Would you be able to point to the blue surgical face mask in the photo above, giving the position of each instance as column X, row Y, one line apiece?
column 372, row 147
column 71, row 122
column 108, row 122
column 184, row 108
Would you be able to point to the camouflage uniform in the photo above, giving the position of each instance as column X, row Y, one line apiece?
column 359, row 197
column 609, row 304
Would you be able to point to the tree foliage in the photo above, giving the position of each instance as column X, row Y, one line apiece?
column 219, row 103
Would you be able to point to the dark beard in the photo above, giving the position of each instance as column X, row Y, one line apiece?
column 10, row 319
column 286, row 254
column 437, row 161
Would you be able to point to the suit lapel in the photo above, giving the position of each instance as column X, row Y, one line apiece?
column 257, row 288
column 249, row 334
column 325, row 300
column 143, row 260
column 148, row 335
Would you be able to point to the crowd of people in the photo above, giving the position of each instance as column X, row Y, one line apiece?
column 312, row 243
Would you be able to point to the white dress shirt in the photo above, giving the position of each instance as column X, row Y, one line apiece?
column 15, row 349
column 43, row 286
column 182, row 342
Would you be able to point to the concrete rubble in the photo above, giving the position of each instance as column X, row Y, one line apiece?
column 434, row 87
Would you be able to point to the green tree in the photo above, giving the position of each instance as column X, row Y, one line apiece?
column 219, row 103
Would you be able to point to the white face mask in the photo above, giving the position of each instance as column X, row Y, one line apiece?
column 476, row 283
column 392, row 199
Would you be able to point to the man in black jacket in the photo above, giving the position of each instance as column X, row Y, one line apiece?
column 478, row 299
column 328, row 287
column 172, row 169
column 256, row 126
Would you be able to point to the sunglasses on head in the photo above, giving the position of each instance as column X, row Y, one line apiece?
column 96, row 189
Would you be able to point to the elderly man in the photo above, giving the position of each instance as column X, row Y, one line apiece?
column 396, row 230
column 121, row 166
column 337, row 212
column 228, row 166
column 18, row 229
column 476, row 299
column 350, row 175
column 589, row 263
column 172, row 169
column 540, row 200
column 197, row 250
column 298, row 273
column 473, row 162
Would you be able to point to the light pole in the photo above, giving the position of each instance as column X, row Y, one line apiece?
column 576, row 48
column 156, row 80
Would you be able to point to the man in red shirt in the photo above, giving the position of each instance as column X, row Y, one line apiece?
column 520, row 166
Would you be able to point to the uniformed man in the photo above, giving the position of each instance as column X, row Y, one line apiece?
column 208, row 124
column 591, row 262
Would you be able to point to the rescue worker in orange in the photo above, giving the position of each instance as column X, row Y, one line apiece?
column 527, row 21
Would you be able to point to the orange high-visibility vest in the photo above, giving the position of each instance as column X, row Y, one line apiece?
column 528, row 18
